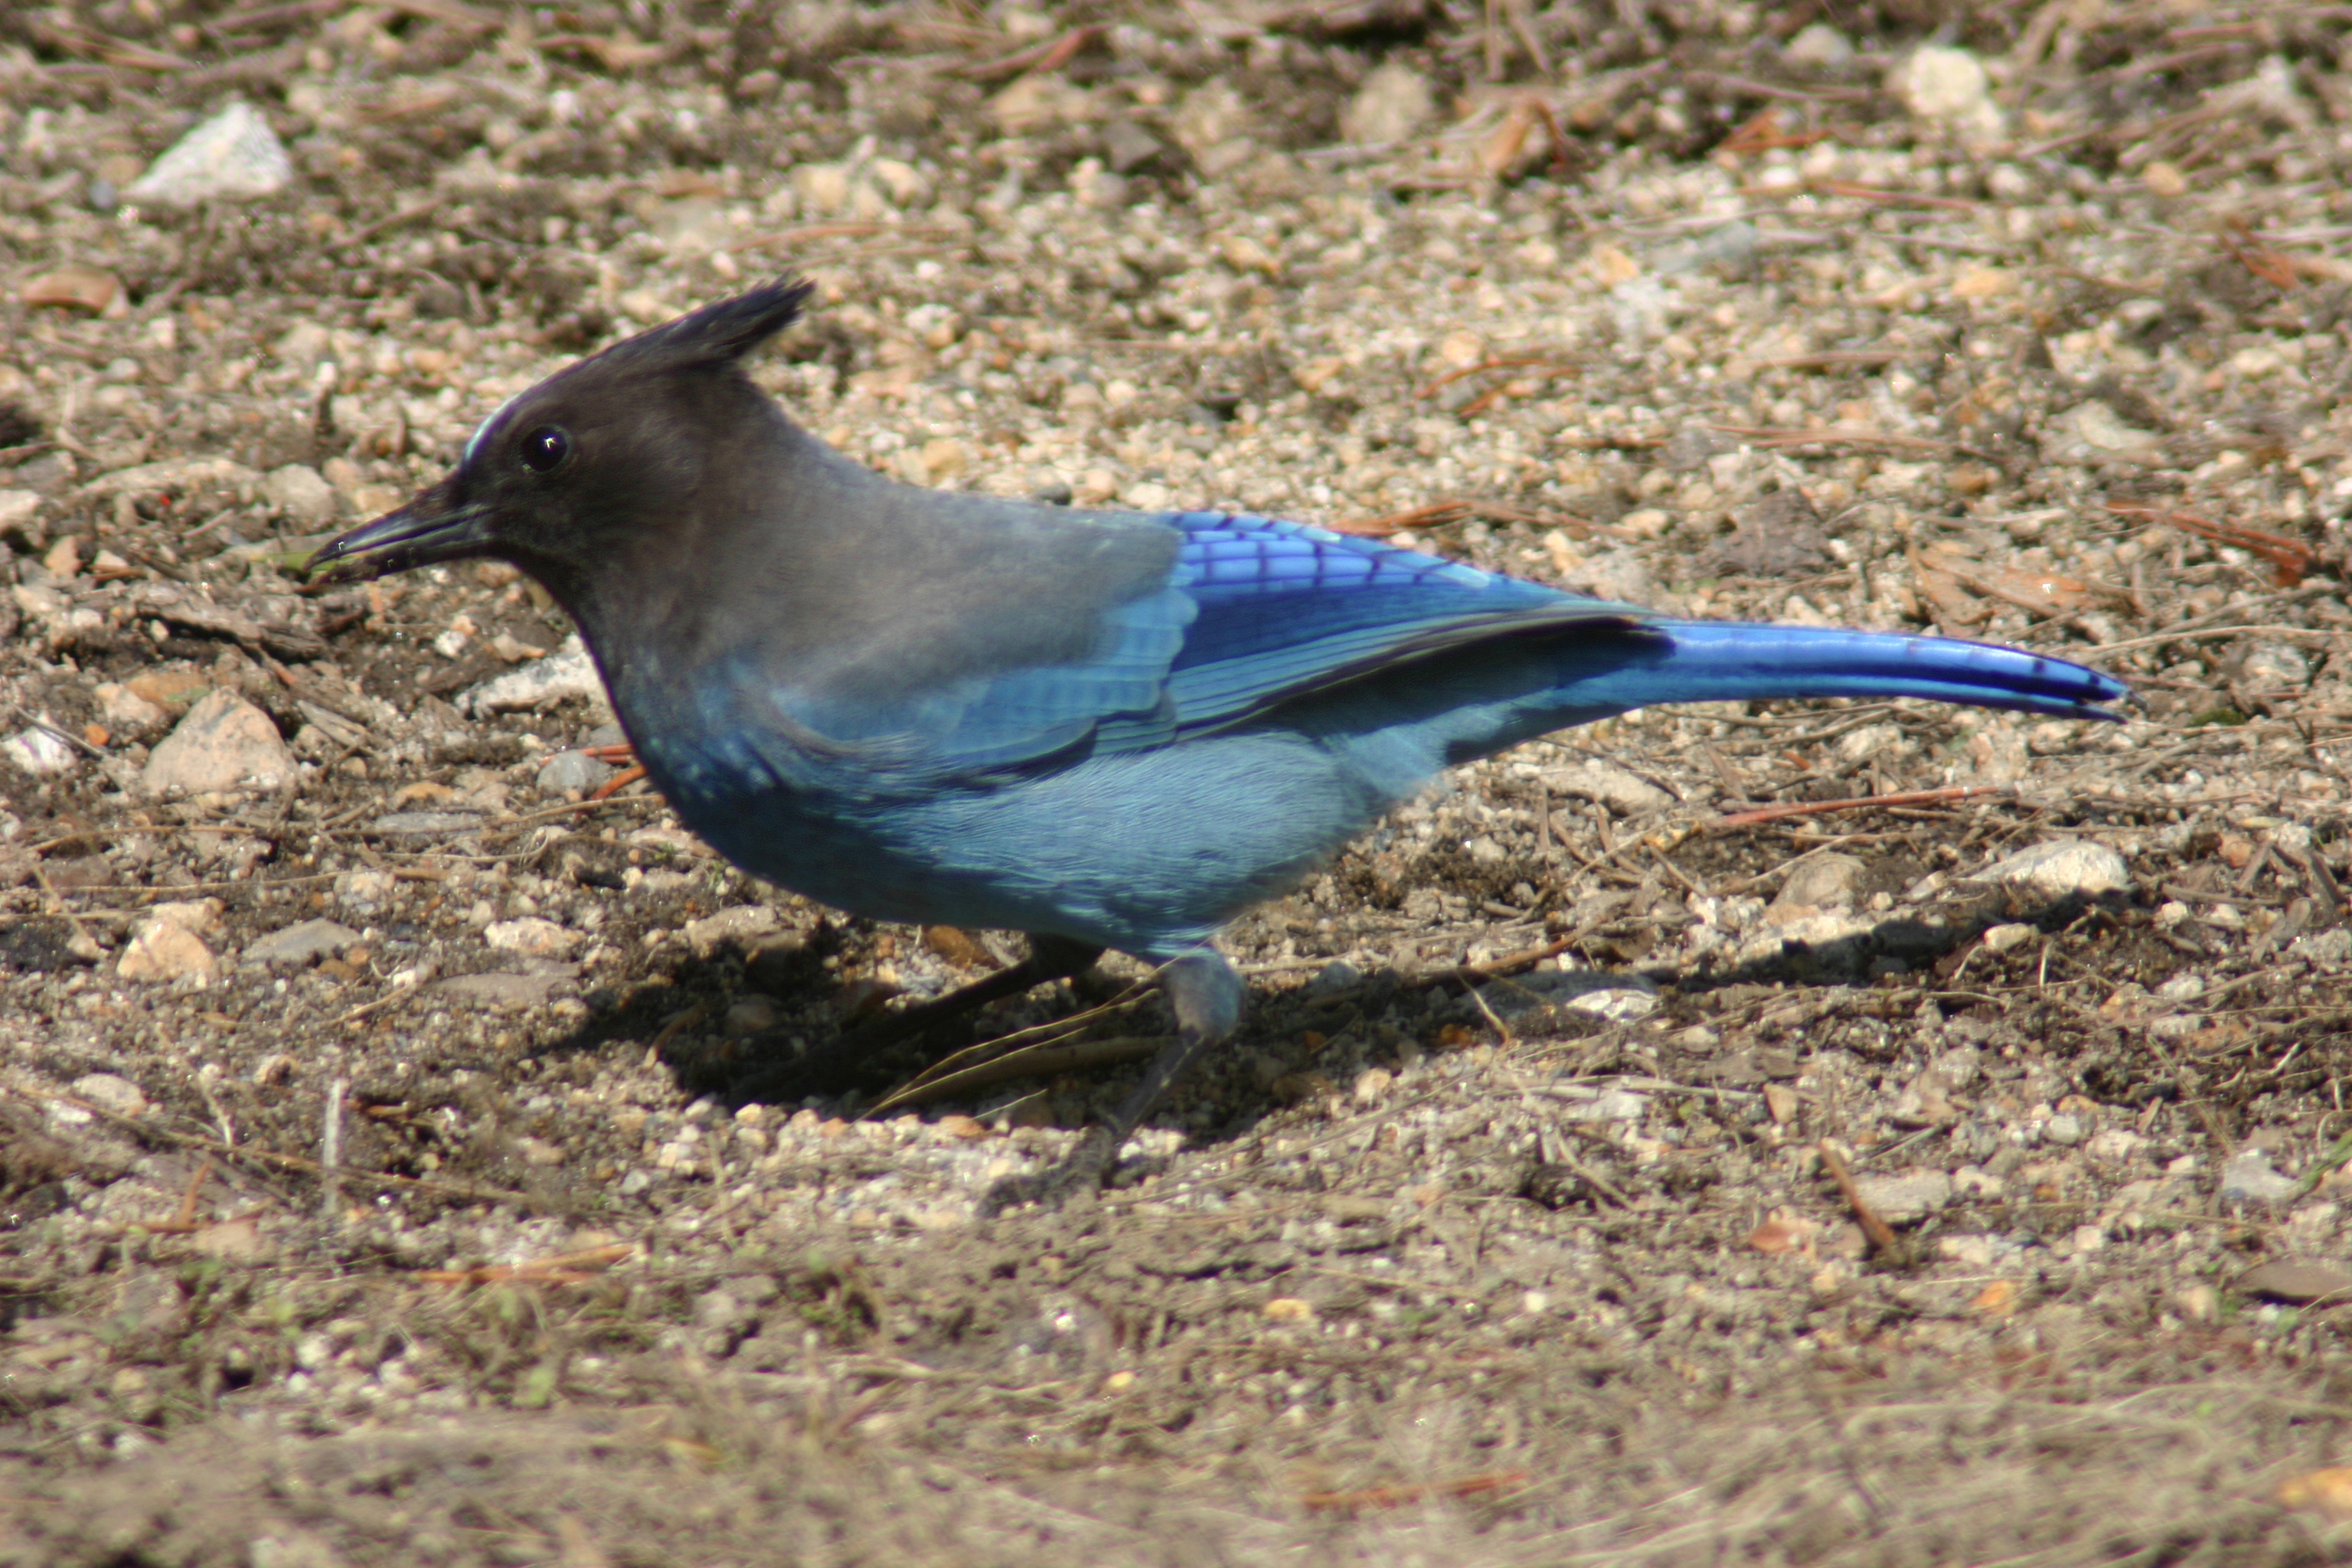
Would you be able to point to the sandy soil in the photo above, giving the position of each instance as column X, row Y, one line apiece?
column 371, row 1190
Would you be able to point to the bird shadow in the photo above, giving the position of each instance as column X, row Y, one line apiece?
column 1296, row 1042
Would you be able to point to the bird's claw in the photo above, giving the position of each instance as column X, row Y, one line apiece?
column 1082, row 1175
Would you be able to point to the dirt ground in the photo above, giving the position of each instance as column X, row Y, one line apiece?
column 1609, row 1172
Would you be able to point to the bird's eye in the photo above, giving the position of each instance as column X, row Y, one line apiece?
column 544, row 448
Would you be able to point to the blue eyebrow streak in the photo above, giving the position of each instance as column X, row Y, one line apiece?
column 474, row 441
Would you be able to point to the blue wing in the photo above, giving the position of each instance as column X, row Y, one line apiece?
column 1285, row 610
column 1246, row 614
column 1254, row 612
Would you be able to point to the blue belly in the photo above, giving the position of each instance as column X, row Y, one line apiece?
column 1146, row 852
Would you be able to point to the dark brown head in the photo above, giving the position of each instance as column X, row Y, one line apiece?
column 563, row 478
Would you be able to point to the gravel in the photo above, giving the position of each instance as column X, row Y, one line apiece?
column 371, row 1189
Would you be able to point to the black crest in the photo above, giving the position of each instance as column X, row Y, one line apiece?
column 721, row 333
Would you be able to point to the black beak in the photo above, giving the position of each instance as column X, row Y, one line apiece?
column 434, row 526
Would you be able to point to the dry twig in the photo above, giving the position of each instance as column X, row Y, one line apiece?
column 1882, row 1235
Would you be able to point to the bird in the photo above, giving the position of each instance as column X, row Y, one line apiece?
column 1107, row 730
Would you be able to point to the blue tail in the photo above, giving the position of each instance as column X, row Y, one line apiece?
column 1402, row 725
column 1719, row 661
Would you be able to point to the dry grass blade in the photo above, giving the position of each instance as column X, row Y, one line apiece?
column 1056, row 1030
column 1433, row 514
column 570, row 1268
column 1845, row 435
column 1400, row 1496
column 185, row 1221
column 1882, row 1235
column 1509, row 361
column 1044, row 1060
column 2291, row 559
column 1050, row 56
column 71, row 37
column 1764, row 814
column 263, row 17
column 1443, row 513
column 2273, row 266
column 1775, row 127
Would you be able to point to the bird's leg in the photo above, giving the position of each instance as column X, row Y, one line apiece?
column 839, row 1063
column 1206, row 995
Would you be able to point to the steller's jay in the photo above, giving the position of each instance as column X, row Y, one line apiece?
column 1107, row 730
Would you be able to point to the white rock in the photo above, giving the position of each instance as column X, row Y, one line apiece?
column 223, row 743
column 112, row 1091
column 572, row 769
column 1620, row 575
column 40, row 753
column 1825, row 881
column 696, row 225
column 303, row 344
column 299, row 492
column 1606, row 1105
column 233, row 156
column 1098, row 188
column 1333, row 978
column 1904, row 1196
column 904, row 182
column 1038, row 100
column 533, row 937
column 1618, row 1004
column 2095, row 426
column 2332, row 947
column 1617, row 997
column 363, row 890
column 747, row 1017
column 566, row 672
column 300, row 944
column 1626, row 794
column 1818, row 44
column 18, row 508
column 165, row 948
column 2002, row 938
column 123, row 708
column 822, row 187
column 2114, row 1143
column 1213, row 121
column 2061, row 868
column 1948, row 85
column 1731, row 246
column 1394, row 102
column 1813, row 931
column 197, row 916
column 1875, row 741
column 1977, row 1251
column 181, row 476
column 2274, row 664
column 2250, row 1179
column 708, row 935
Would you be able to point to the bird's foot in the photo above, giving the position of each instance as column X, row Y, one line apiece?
column 1206, row 995
column 1081, row 1176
